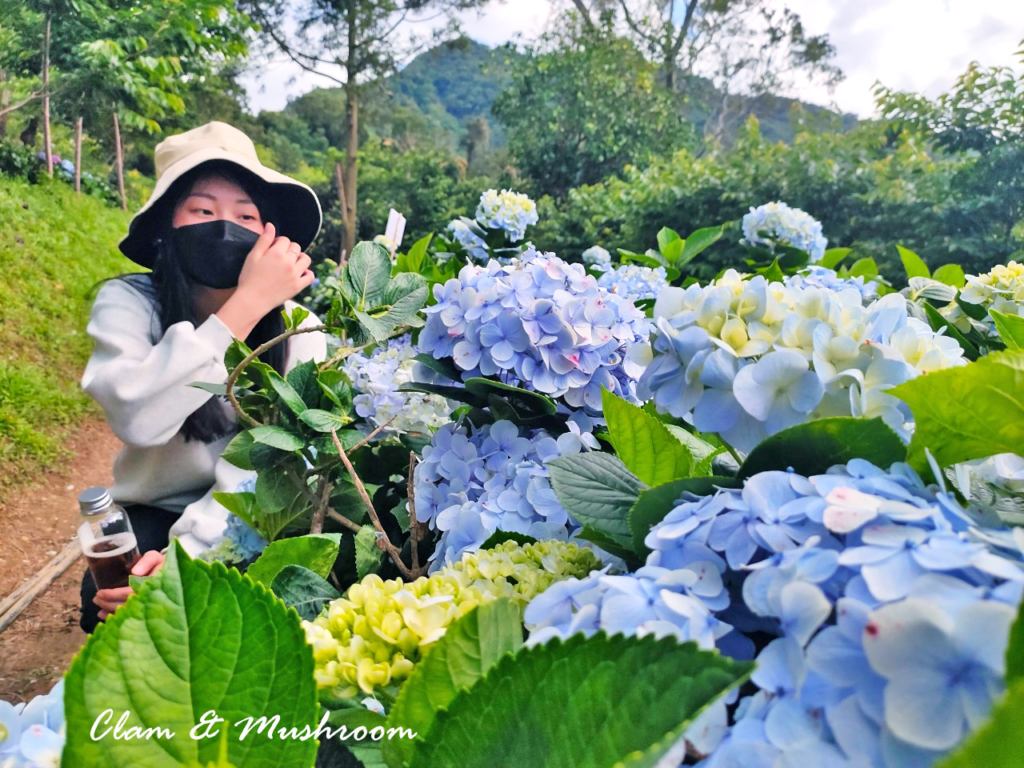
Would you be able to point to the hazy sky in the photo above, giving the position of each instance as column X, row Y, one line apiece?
column 919, row 45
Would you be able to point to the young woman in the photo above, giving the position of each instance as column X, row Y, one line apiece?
column 224, row 237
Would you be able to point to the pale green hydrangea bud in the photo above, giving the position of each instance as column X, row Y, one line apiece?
column 373, row 636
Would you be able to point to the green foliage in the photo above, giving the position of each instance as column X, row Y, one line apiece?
column 303, row 590
column 598, row 490
column 197, row 637
column 968, row 412
column 1010, row 328
column 868, row 188
column 644, row 444
column 470, row 647
column 317, row 552
column 46, row 230
column 620, row 701
column 813, row 447
column 1000, row 741
column 564, row 116
column 368, row 554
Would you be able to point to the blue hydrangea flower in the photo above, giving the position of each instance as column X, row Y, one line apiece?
column 472, row 482
column 32, row 734
column 376, row 379
column 634, row 282
column 890, row 607
column 817, row 276
column 508, row 211
column 597, row 258
column 475, row 245
column 539, row 323
column 747, row 358
column 774, row 224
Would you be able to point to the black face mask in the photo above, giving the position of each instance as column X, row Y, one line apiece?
column 213, row 253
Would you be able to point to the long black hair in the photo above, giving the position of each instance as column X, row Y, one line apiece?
column 172, row 293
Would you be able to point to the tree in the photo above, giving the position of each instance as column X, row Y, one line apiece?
column 476, row 140
column 744, row 48
column 361, row 38
column 584, row 105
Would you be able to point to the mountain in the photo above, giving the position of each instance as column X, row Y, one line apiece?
column 433, row 99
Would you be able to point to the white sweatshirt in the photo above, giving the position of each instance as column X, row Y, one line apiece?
column 144, row 391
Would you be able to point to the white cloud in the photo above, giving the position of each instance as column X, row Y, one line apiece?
column 917, row 45
column 913, row 45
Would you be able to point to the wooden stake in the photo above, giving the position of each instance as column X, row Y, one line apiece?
column 120, row 162
column 78, row 157
column 47, row 139
column 22, row 597
column 339, row 175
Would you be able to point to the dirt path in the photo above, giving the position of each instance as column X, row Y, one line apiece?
column 35, row 524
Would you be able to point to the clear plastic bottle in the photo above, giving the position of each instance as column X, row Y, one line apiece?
column 107, row 539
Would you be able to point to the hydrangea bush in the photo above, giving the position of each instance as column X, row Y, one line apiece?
column 539, row 323
column 891, row 612
column 746, row 358
column 774, row 224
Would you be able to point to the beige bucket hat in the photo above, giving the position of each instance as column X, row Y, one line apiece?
column 296, row 205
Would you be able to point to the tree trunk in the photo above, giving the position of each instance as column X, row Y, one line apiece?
column 78, row 156
column 47, row 142
column 352, row 123
column 120, row 163
column 5, row 99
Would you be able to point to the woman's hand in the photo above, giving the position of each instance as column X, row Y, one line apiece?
column 275, row 271
column 109, row 600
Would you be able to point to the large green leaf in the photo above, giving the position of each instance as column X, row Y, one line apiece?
column 833, row 257
column 402, row 299
column 279, row 500
column 303, row 590
column 469, row 647
column 287, row 393
column 317, row 552
column 197, row 637
column 366, row 275
column 368, row 554
column 1000, row 742
column 324, row 421
column 521, row 399
column 413, row 260
column 241, row 505
column 912, row 263
column 277, row 437
column 590, row 702
column 598, row 490
column 950, row 274
column 968, row 412
column 237, row 451
column 697, row 242
column 1011, row 329
column 655, row 503
column 644, row 444
column 813, row 447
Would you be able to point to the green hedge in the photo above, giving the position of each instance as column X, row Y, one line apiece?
column 54, row 245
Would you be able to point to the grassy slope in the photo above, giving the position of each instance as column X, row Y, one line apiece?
column 54, row 246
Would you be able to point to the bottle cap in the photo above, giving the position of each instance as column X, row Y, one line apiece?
column 93, row 501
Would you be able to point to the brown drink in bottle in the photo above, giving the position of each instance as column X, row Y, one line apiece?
column 107, row 539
